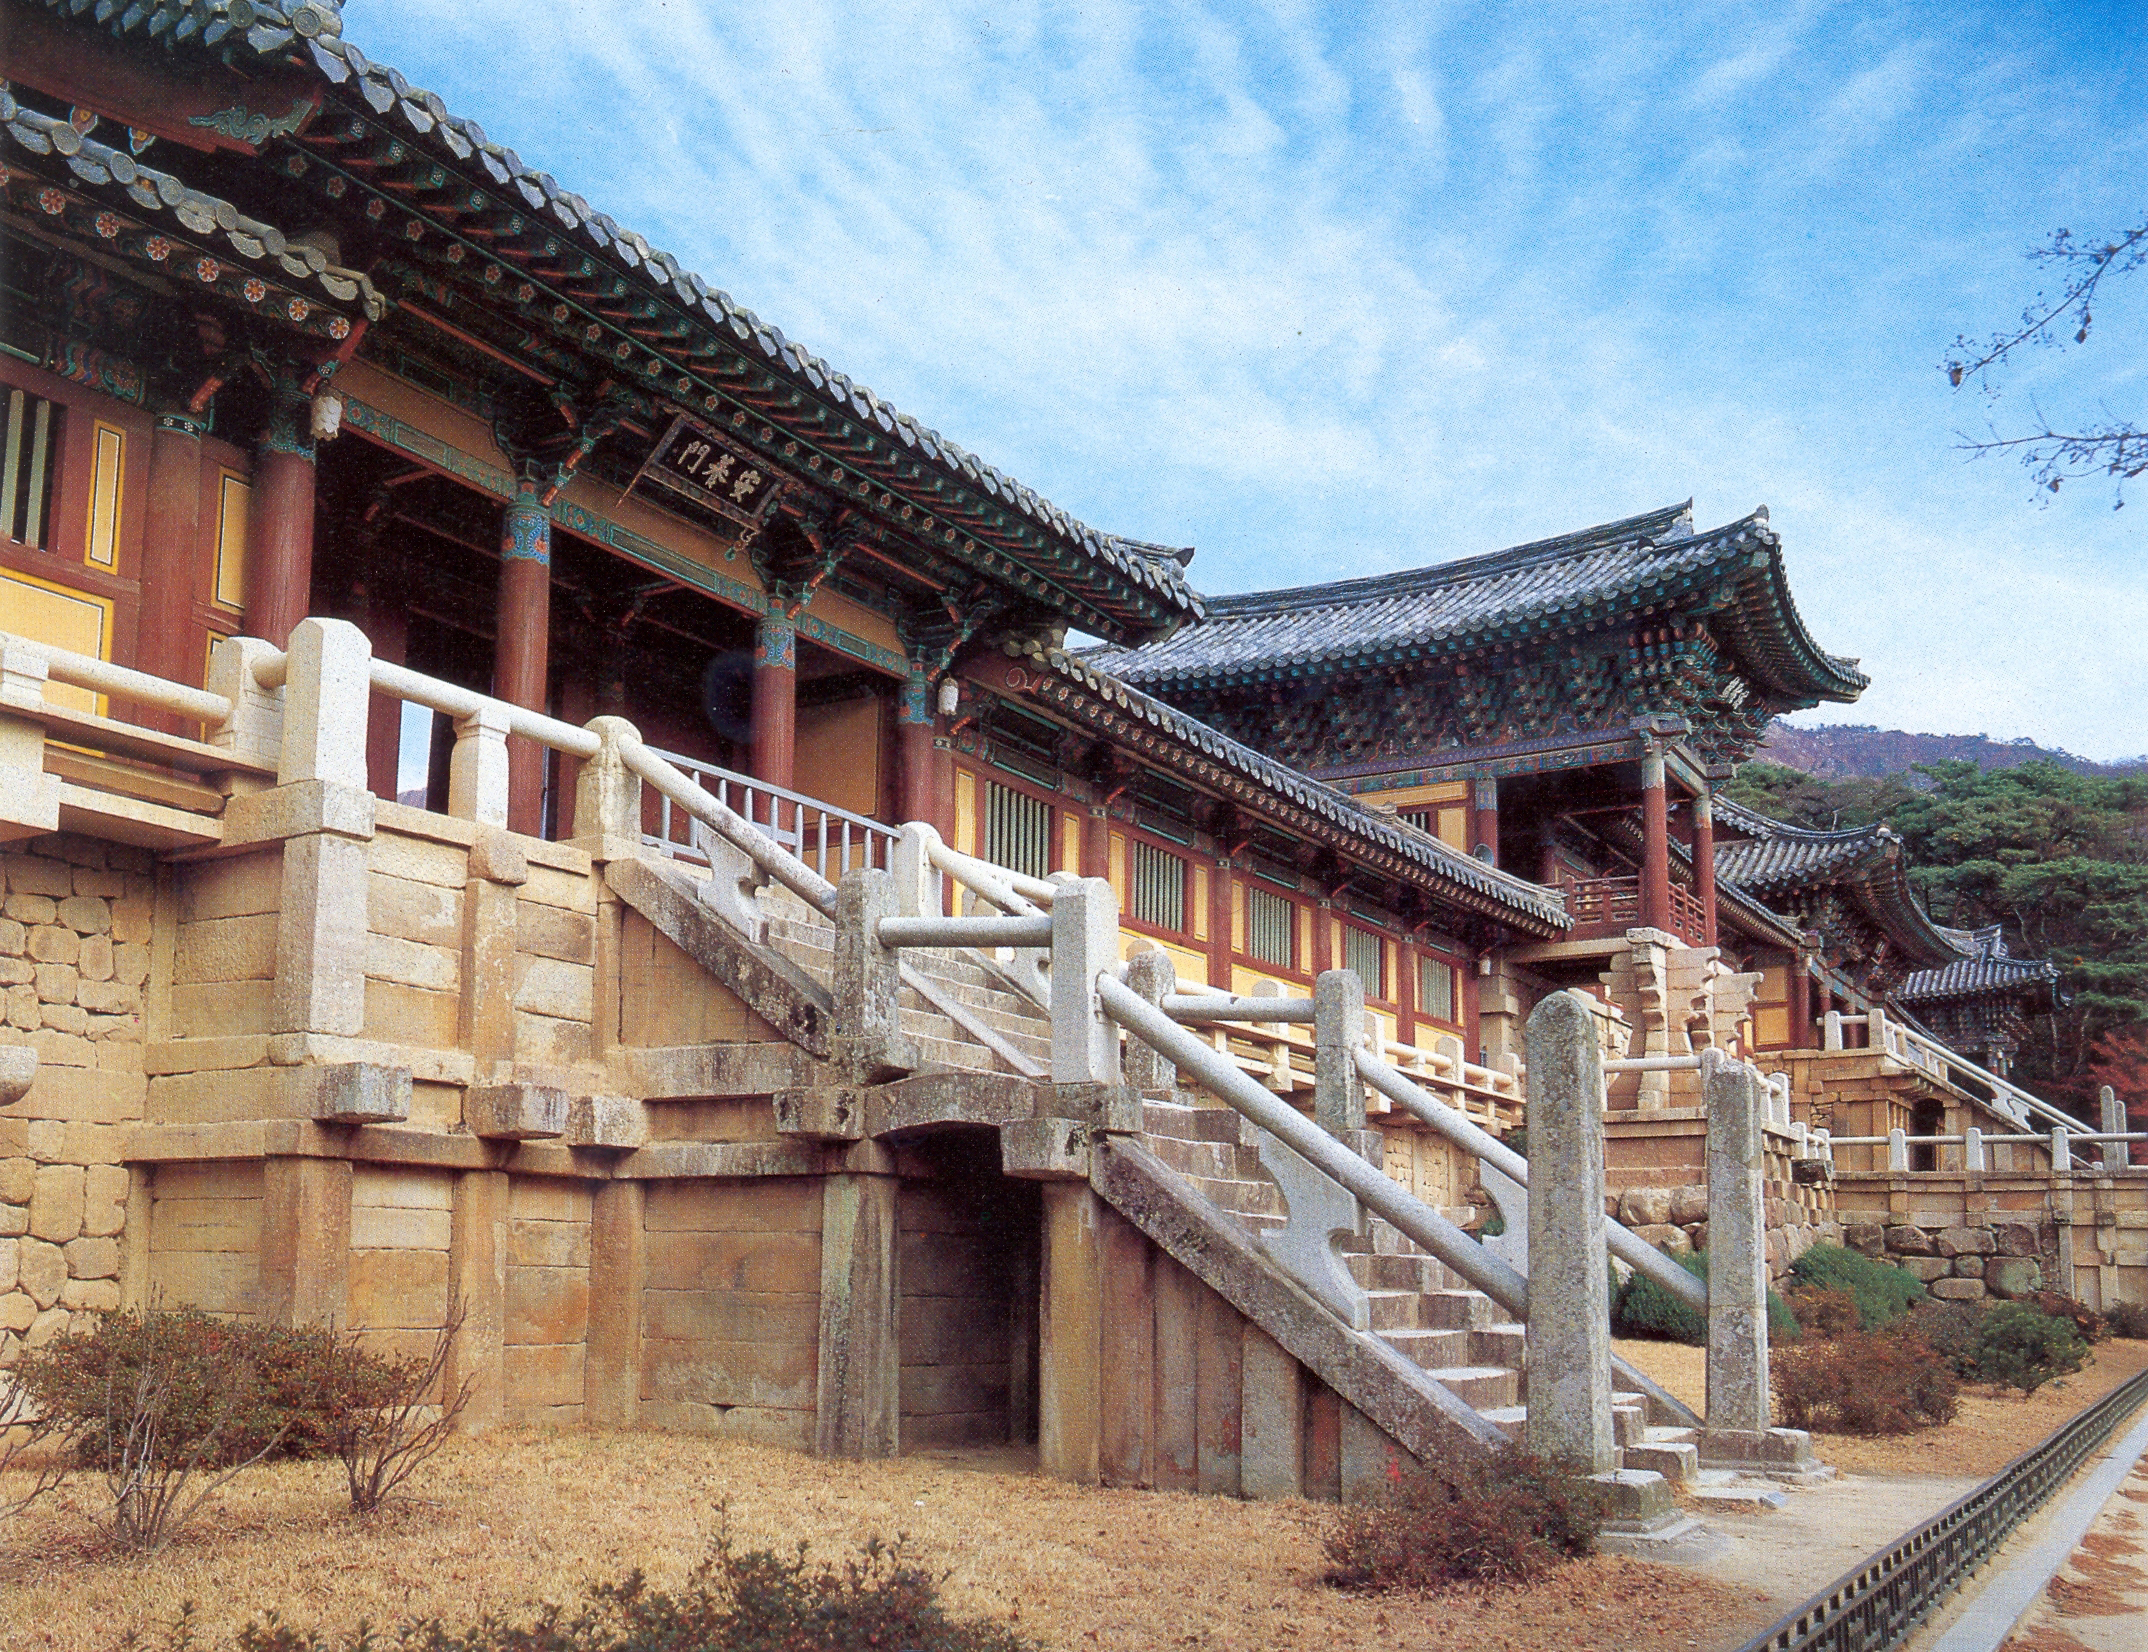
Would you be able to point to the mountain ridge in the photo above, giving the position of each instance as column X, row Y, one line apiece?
column 1839, row 751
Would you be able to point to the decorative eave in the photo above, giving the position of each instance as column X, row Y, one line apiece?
column 102, row 197
column 1641, row 569
column 1777, row 860
column 1300, row 806
column 572, row 282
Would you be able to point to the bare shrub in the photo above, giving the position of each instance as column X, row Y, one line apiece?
column 1508, row 1517
column 33, row 1449
column 387, row 1420
column 1823, row 1310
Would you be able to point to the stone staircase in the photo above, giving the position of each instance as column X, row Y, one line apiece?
column 1458, row 1336
column 807, row 939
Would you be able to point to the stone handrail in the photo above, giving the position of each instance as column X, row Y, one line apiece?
column 121, row 682
column 831, row 840
column 1637, row 1253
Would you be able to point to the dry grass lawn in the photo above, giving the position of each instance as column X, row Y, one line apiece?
column 1993, row 1427
column 526, row 1516
column 523, row 1517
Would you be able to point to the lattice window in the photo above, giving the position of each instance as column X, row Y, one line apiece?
column 1435, row 990
column 1364, row 954
column 27, row 466
column 1158, row 895
column 1017, row 830
column 1271, row 929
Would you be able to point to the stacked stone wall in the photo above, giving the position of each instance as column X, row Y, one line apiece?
column 731, row 1310
column 75, row 928
column 1655, row 1183
column 1962, row 1263
column 547, row 1318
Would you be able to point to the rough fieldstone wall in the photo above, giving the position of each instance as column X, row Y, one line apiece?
column 74, row 958
column 1968, row 1261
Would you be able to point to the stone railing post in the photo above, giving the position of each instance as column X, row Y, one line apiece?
column 1340, row 1027
column 324, row 813
column 1973, row 1151
column 1568, row 1374
column 607, row 794
column 917, row 890
column 478, row 774
column 2116, row 1154
column 1085, row 943
column 1152, row 974
column 2061, row 1150
column 255, row 727
column 1831, row 1037
column 1897, row 1150
column 1738, row 1434
column 327, row 699
column 868, row 1043
column 29, row 797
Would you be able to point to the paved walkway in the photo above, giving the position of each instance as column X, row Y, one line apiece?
column 2098, row 1601
column 2075, row 1578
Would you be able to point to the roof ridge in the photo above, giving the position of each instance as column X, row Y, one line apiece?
column 1407, row 581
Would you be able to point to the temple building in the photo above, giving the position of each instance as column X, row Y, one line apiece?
column 465, row 682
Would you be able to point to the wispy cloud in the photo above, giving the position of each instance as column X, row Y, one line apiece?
column 1326, row 292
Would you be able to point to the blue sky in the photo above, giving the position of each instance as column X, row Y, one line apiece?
column 1326, row 290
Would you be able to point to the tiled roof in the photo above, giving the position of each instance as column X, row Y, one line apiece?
column 307, row 288
column 1985, row 968
column 1776, row 860
column 1545, row 908
column 1553, row 585
column 1774, row 855
column 309, row 32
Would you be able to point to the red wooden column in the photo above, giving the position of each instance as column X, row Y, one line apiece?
column 279, row 518
column 1802, row 1035
column 914, row 729
column 387, row 627
column 1484, row 821
column 1704, row 862
column 1219, row 923
column 172, row 571
column 1655, row 845
column 774, row 734
column 522, row 648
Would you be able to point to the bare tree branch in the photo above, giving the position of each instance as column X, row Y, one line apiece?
column 2117, row 448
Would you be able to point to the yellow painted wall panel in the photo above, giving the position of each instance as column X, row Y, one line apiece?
column 1454, row 829
column 1238, row 917
column 60, row 618
column 1117, row 873
column 107, row 466
column 838, row 757
column 1069, row 840
column 1416, row 797
column 1200, row 903
column 966, row 811
column 233, row 496
column 1771, row 1026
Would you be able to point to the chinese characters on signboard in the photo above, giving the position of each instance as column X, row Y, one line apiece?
column 694, row 460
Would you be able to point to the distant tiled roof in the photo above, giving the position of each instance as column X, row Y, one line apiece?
column 1774, row 856
column 1552, row 585
column 1985, row 969
column 1544, row 908
column 1775, row 861
column 309, row 33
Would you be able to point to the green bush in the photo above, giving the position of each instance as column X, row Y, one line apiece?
column 2127, row 1319
column 1883, row 1291
column 1949, row 1329
column 1504, row 1518
column 2021, row 1348
column 1643, row 1308
column 756, row 1601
